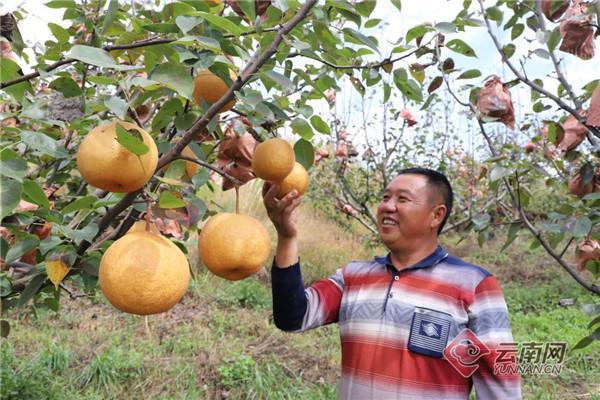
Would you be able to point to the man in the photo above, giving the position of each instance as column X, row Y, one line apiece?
column 403, row 317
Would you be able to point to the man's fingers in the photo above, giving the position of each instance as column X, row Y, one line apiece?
column 269, row 192
column 287, row 200
column 293, row 205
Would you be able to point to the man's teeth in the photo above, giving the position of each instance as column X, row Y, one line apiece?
column 387, row 221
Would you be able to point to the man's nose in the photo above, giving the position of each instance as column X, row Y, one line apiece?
column 389, row 206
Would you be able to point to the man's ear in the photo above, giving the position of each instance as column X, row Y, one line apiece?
column 439, row 213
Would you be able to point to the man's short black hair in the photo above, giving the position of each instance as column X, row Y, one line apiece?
column 439, row 182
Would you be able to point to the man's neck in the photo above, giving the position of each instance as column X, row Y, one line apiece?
column 406, row 257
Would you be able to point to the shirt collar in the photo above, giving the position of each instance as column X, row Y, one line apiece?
column 433, row 259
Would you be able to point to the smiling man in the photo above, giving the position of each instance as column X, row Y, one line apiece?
column 414, row 324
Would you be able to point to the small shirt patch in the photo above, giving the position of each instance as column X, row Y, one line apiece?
column 429, row 332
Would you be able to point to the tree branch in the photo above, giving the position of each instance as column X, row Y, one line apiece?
column 153, row 41
column 203, row 121
column 531, row 84
column 516, row 202
column 224, row 174
column 365, row 66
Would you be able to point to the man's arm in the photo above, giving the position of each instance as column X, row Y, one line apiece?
column 489, row 320
column 294, row 308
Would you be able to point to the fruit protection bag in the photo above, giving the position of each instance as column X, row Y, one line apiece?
column 576, row 32
column 574, row 133
column 495, row 101
column 235, row 158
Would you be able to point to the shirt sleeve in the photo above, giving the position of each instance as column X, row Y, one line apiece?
column 298, row 309
column 489, row 321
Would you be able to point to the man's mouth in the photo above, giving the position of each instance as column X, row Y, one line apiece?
column 388, row 222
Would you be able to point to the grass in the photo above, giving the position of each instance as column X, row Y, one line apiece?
column 220, row 342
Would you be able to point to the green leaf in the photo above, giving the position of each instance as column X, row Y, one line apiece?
column 408, row 87
column 470, row 74
column 279, row 79
column 33, row 193
column 362, row 39
column 542, row 53
column 509, row 50
column 14, row 168
column 25, row 243
column 461, row 47
column 87, row 233
column 582, row 227
column 187, row 23
column 593, row 266
column 11, row 70
column 222, row 22
column 445, row 27
column 44, row 144
column 365, row 8
column 161, row 27
column 372, row 23
column 117, row 106
column 554, row 39
column 131, row 140
column 67, row 86
column 387, row 92
column 583, row 343
column 495, row 14
column 170, row 200
column 5, row 284
column 200, row 42
column 592, row 196
column 98, row 57
column 60, row 33
column 248, row 8
column 513, row 231
column 397, row 4
column 417, row 32
column 305, row 153
column 320, row 125
column 10, row 195
column 516, row 31
column 61, row 4
column 79, row 204
column 32, row 288
column 175, row 76
column 302, row 128
column 110, row 15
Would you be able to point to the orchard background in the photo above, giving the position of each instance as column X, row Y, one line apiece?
column 360, row 89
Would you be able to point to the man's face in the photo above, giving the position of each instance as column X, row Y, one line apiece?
column 408, row 211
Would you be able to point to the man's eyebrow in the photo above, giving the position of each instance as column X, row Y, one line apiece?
column 398, row 191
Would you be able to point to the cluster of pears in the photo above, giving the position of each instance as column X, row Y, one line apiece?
column 143, row 272
column 235, row 246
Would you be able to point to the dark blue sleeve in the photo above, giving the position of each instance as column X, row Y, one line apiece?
column 289, row 298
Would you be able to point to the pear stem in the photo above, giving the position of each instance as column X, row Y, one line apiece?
column 148, row 216
column 237, row 199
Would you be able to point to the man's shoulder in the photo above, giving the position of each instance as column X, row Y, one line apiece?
column 362, row 266
column 455, row 269
column 459, row 263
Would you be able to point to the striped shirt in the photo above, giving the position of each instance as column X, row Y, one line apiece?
column 395, row 325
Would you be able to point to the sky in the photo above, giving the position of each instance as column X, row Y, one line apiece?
column 395, row 24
